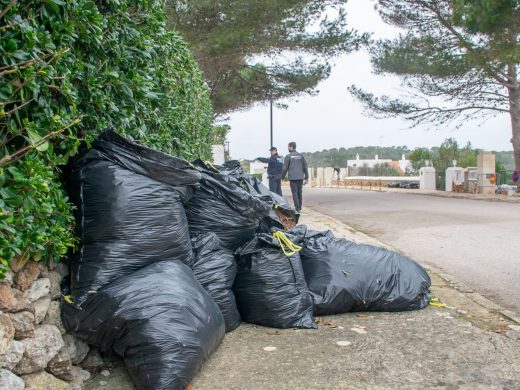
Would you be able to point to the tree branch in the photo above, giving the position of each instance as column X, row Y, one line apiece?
column 12, row 68
column 15, row 109
column 494, row 73
column 8, row 158
column 6, row 10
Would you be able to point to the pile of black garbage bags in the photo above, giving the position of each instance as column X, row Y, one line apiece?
column 174, row 254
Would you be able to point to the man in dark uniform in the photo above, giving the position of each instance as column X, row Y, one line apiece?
column 296, row 166
column 274, row 170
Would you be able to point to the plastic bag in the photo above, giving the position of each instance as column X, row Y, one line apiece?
column 159, row 320
column 128, row 206
column 270, row 286
column 221, row 206
column 282, row 215
column 344, row 276
column 215, row 268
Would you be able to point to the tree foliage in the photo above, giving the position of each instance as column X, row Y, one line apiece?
column 338, row 158
column 69, row 69
column 459, row 59
column 441, row 157
column 251, row 51
column 418, row 158
column 450, row 151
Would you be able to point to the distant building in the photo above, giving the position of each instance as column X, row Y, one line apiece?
column 219, row 154
column 404, row 164
column 368, row 163
column 257, row 167
column 400, row 166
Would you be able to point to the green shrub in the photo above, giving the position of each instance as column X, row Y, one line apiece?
column 257, row 176
column 69, row 69
column 36, row 217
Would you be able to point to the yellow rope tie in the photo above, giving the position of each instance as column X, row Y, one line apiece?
column 435, row 302
column 288, row 247
column 211, row 165
column 68, row 299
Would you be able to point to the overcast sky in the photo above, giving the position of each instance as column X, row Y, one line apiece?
column 333, row 119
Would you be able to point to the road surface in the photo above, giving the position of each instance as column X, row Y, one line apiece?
column 475, row 242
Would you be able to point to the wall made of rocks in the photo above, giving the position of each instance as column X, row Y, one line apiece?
column 36, row 353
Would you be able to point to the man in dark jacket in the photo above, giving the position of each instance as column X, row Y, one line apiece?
column 274, row 170
column 296, row 168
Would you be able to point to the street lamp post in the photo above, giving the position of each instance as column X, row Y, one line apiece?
column 271, row 110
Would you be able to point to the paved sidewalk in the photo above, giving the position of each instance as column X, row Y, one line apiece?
column 467, row 345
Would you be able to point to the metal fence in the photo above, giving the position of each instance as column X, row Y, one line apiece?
column 441, row 180
column 505, row 177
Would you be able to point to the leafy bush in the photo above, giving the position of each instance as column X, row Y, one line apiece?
column 69, row 69
column 36, row 217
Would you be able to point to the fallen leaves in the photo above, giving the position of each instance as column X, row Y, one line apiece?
column 326, row 322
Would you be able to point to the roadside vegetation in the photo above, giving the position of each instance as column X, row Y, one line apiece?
column 68, row 70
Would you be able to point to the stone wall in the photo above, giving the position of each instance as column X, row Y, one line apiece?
column 35, row 351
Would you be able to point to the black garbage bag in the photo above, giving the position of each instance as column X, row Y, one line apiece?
column 270, row 286
column 221, row 206
column 232, row 168
column 129, row 211
column 282, row 215
column 215, row 268
column 159, row 320
column 344, row 276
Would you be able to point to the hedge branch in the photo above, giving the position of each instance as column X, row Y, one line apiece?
column 6, row 10
column 7, row 113
column 21, row 152
column 24, row 64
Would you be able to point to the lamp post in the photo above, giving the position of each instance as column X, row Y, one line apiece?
column 271, row 111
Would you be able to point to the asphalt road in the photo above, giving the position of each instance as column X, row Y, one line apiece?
column 475, row 242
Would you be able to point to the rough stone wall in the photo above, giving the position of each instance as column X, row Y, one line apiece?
column 364, row 182
column 473, row 187
column 35, row 351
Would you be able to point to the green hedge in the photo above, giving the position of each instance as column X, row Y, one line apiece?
column 69, row 69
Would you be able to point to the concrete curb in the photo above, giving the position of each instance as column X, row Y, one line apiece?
column 503, row 199
column 476, row 297
column 361, row 237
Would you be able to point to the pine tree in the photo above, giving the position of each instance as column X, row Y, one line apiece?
column 460, row 60
column 251, row 51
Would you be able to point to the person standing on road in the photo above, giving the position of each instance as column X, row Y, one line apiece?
column 296, row 168
column 274, row 170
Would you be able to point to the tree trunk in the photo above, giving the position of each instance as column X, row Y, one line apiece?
column 515, row 125
column 514, row 112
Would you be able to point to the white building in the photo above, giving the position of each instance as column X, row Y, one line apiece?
column 404, row 164
column 401, row 165
column 257, row 167
column 219, row 154
column 369, row 163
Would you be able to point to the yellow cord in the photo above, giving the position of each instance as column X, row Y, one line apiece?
column 288, row 248
column 211, row 165
column 68, row 299
column 435, row 302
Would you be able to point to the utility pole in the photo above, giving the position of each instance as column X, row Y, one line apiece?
column 271, row 106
